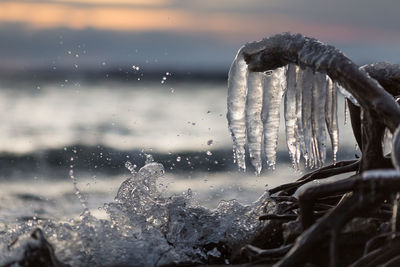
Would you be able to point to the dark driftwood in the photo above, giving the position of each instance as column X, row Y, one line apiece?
column 388, row 75
column 367, row 194
column 280, row 50
column 284, row 217
column 374, row 87
column 325, row 172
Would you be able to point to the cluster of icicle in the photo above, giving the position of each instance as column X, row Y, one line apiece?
column 254, row 99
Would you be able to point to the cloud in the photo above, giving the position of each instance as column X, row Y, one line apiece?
column 204, row 32
column 340, row 20
column 59, row 47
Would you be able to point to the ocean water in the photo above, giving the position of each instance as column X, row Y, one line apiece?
column 67, row 148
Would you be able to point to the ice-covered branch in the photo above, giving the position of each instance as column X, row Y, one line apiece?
column 388, row 75
column 308, row 73
column 282, row 49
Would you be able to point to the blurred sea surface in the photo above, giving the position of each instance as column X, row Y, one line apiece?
column 49, row 129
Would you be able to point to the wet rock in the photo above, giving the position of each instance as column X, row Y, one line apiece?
column 34, row 252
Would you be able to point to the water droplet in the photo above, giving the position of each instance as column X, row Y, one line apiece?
column 131, row 167
column 210, row 142
column 189, row 192
column 178, row 159
column 209, row 153
column 69, row 52
column 149, row 158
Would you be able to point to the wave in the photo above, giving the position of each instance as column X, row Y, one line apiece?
column 103, row 160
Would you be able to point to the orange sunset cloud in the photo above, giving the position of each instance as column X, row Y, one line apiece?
column 160, row 15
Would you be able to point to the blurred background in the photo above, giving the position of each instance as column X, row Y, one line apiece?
column 86, row 85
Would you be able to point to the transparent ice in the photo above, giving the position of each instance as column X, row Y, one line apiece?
column 274, row 86
column 310, row 107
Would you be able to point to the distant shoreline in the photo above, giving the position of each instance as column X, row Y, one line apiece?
column 119, row 74
column 98, row 160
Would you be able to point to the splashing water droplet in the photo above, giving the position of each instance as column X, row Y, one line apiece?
column 149, row 158
column 131, row 167
column 178, row 159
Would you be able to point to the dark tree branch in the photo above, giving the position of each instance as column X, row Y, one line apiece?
column 282, row 49
column 325, row 172
column 368, row 191
column 374, row 87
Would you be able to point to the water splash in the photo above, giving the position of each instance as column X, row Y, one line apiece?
column 146, row 227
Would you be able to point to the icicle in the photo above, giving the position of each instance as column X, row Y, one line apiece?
column 306, row 107
column 387, row 142
column 273, row 92
column 348, row 95
column 253, row 117
column 318, row 122
column 331, row 116
column 298, row 130
column 290, row 113
column 236, row 108
column 346, row 110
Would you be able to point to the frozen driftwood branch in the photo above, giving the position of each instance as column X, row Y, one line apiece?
column 353, row 221
column 307, row 73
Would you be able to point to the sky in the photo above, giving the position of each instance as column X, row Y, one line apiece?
column 183, row 34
